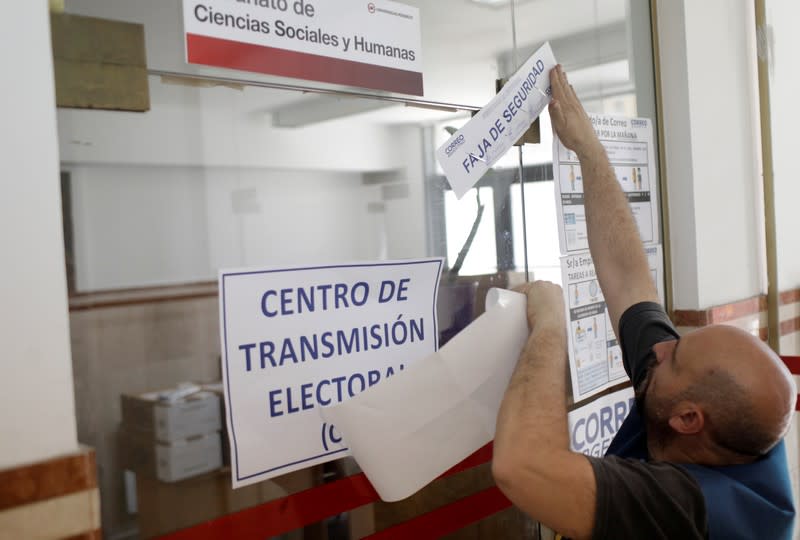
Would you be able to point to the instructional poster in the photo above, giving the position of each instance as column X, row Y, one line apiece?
column 595, row 357
column 629, row 145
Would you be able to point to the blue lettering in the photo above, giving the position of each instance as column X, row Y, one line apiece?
column 399, row 327
column 359, row 377
column 267, row 348
column 264, row 307
column 273, row 403
column 341, row 294
column 324, row 289
column 246, row 348
column 365, row 294
column 373, row 377
column 319, row 392
column 575, row 430
column 387, row 291
column 338, row 381
column 401, row 288
column 592, row 420
column 289, row 407
column 417, row 329
column 287, row 352
column 286, row 300
column 305, row 396
column 304, row 298
column 605, row 422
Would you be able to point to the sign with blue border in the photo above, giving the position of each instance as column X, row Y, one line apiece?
column 298, row 339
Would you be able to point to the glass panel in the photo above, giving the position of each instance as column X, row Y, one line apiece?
column 225, row 174
column 460, row 42
column 605, row 48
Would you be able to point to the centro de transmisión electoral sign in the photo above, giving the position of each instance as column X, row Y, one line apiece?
column 370, row 44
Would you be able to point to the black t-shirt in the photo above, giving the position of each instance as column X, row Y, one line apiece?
column 636, row 498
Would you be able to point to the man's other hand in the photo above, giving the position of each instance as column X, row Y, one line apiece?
column 570, row 122
column 545, row 304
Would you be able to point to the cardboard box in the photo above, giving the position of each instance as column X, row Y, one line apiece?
column 218, row 389
column 197, row 414
column 172, row 461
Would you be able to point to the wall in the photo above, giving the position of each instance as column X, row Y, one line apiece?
column 205, row 181
column 712, row 142
column 142, row 226
column 782, row 41
column 712, row 150
column 36, row 395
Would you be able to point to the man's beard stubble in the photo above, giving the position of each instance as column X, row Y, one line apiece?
column 655, row 410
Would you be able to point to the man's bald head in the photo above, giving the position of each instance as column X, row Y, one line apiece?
column 768, row 391
column 741, row 393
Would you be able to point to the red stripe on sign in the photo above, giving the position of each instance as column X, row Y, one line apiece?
column 224, row 53
column 793, row 363
column 448, row 518
column 304, row 508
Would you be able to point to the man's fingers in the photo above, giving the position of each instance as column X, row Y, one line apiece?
column 556, row 114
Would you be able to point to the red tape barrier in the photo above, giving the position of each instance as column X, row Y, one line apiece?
column 448, row 518
column 793, row 363
column 303, row 508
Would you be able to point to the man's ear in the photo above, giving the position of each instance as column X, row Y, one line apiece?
column 687, row 418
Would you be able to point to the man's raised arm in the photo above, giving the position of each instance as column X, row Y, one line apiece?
column 614, row 241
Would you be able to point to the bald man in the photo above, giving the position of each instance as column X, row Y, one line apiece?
column 701, row 455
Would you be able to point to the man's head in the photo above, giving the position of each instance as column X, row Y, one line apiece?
column 716, row 396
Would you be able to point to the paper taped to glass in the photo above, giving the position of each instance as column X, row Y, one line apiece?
column 472, row 150
column 410, row 429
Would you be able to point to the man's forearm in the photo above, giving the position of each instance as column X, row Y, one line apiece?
column 533, row 415
column 614, row 241
column 532, row 460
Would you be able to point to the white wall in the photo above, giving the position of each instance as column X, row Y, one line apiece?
column 203, row 181
column 712, row 150
column 784, row 42
column 36, row 396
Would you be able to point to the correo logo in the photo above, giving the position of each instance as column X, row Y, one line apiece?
column 371, row 7
column 458, row 141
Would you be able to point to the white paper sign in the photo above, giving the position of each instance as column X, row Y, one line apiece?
column 409, row 430
column 472, row 150
column 297, row 339
column 595, row 357
column 629, row 145
column 593, row 426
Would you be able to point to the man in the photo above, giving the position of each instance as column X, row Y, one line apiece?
column 701, row 455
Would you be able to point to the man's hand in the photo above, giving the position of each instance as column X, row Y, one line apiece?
column 570, row 121
column 545, row 305
column 614, row 241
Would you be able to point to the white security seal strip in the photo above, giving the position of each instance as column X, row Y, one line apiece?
column 411, row 428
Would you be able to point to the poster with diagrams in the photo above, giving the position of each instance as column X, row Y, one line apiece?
column 595, row 356
column 629, row 145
